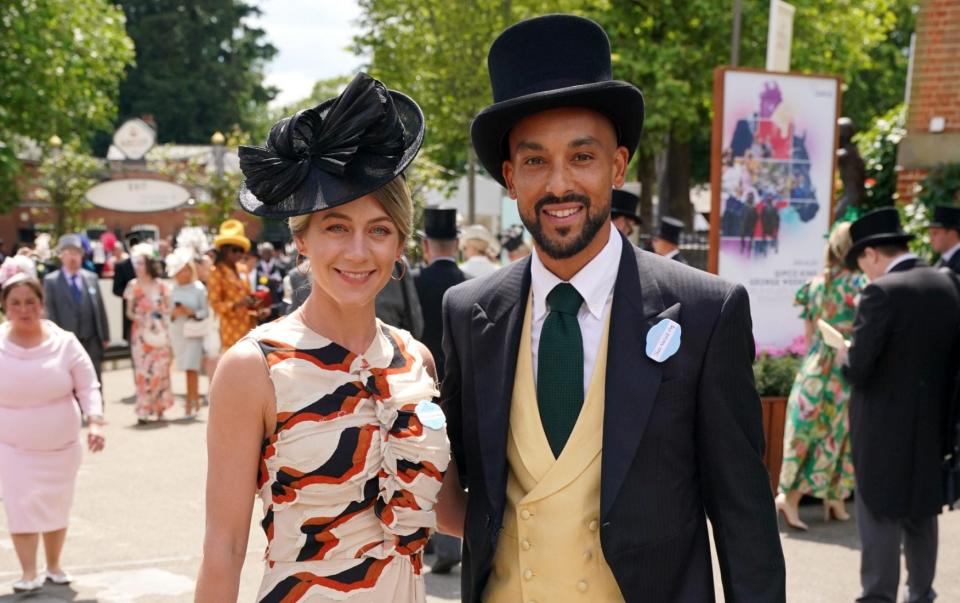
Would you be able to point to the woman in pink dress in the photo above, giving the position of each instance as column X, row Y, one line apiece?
column 44, row 373
column 148, row 307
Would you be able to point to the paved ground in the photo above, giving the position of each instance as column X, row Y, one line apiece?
column 137, row 526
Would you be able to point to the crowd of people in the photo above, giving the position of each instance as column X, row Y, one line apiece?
column 877, row 414
column 557, row 429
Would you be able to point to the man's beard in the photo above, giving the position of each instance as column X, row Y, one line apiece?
column 561, row 250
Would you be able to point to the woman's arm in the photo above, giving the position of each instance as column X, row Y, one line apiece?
column 451, row 503
column 201, row 310
column 131, row 302
column 240, row 395
column 451, row 507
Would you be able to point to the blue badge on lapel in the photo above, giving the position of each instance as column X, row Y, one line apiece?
column 430, row 415
column 663, row 340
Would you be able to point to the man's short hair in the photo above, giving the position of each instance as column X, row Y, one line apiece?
column 888, row 250
column 447, row 246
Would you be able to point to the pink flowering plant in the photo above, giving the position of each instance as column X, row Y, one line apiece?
column 775, row 368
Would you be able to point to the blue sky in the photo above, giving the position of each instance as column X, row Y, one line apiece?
column 312, row 37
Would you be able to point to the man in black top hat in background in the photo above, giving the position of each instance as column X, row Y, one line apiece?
column 902, row 361
column 667, row 240
column 620, row 502
column 440, row 251
column 945, row 236
column 623, row 211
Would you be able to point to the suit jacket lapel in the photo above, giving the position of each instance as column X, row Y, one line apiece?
column 496, row 326
column 632, row 379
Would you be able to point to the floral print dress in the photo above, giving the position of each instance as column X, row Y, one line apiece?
column 816, row 443
column 150, row 346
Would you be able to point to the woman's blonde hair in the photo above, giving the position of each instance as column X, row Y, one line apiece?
column 838, row 245
column 395, row 199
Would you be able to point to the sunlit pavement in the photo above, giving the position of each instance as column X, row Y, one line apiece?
column 137, row 525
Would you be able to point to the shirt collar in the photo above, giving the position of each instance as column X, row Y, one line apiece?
column 948, row 255
column 444, row 258
column 594, row 282
column 672, row 254
column 899, row 260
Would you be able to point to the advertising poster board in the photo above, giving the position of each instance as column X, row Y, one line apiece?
column 774, row 142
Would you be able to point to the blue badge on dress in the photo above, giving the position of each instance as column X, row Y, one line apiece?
column 430, row 415
column 663, row 340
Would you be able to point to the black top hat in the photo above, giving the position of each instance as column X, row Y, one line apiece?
column 946, row 216
column 439, row 223
column 624, row 203
column 670, row 229
column 878, row 227
column 344, row 148
column 549, row 62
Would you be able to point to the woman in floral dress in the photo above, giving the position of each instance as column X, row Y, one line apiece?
column 816, row 443
column 148, row 307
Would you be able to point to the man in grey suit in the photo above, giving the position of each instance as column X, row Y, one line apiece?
column 73, row 302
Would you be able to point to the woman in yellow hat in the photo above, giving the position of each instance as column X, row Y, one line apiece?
column 332, row 405
column 228, row 289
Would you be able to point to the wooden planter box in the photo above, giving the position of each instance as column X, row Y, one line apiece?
column 774, row 418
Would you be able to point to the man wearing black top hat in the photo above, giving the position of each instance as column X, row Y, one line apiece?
column 945, row 236
column 441, row 273
column 600, row 399
column 667, row 240
column 902, row 360
column 623, row 211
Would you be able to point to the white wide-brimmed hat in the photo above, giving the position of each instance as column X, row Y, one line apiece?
column 177, row 260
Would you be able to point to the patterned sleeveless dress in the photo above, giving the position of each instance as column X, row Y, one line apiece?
column 349, row 478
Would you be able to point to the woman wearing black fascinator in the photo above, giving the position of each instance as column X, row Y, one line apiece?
column 327, row 414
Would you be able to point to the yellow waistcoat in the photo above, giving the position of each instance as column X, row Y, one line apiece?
column 549, row 549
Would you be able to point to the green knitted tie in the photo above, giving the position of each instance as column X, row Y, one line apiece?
column 560, row 366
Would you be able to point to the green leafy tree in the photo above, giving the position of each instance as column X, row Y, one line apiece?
column 214, row 188
column 61, row 63
column 436, row 52
column 64, row 177
column 200, row 67
column 669, row 50
column 322, row 90
column 878, row 147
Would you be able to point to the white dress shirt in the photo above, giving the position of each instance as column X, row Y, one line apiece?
column 672, row 254
column 948, row 255
column 594, row 283
column 899, row 260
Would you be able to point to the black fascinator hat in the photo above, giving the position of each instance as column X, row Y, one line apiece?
column 342, row 149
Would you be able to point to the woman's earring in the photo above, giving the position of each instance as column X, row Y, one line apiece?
column 403, row 270
column 299, row 262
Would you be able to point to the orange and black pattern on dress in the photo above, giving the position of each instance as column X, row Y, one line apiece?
column 349, row 476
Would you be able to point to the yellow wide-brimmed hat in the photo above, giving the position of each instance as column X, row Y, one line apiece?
column 232, row 233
